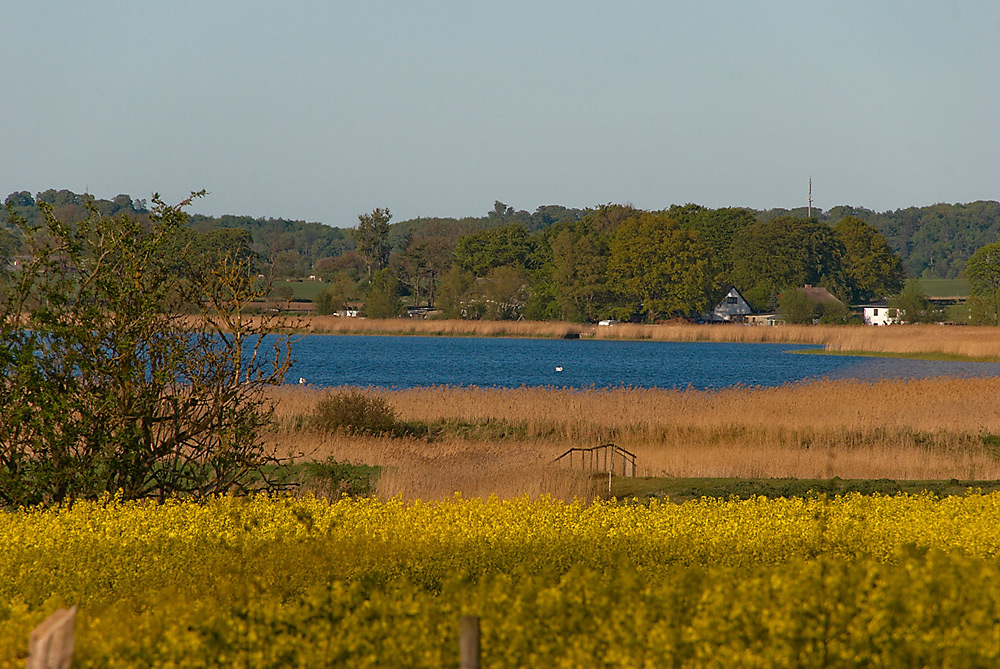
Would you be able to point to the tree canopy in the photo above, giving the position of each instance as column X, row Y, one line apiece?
column 983, row 271
column 873, row 271
column 664, row 267
column 786, row 252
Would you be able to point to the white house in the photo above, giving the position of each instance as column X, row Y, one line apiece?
column 880, row 314
column 732, row 307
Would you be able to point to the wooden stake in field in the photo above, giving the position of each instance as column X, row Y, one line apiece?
column 469, row 642
column 50, row 645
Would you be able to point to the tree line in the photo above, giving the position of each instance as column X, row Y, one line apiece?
column 617, row 261
column 558, row 262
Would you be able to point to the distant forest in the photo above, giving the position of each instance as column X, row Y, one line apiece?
column 556, row 245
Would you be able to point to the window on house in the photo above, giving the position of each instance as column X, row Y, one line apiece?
column 875, row 312
column 730, row 299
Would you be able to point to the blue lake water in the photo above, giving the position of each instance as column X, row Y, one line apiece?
column 405, row 362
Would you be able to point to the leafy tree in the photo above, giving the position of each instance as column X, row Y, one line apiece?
column 505, row 293
column 912, row 304
column 335, row 296
column 420, row 265
column 383, row 296
column 494, row 247
column 350, row 264
column 795, row 307
column 657, row 262
column 106, row 386
column 579, row 273
column 782, row 252
column 983, row 271
column 872, row 270
column 717, row 228
column 372, row 235
column 453, row 292
column 833, row 312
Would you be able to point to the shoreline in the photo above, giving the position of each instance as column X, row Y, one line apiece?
column 921, row 342
column 938, row 357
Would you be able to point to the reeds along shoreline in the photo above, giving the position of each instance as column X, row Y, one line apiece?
column 969, row 341
column 924, row 429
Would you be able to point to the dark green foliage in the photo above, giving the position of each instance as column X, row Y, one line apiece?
column 105, row 386
column 292, row 248
column 494, row 247
column 912, row 304
column 795, row 307
column 872, row 270
column 680, row 490
column 717, row 228
column 453, row 293
column 934, row 241
column 833, row 313
column 653, row 260
column 334, row 297
column 983, row 271
column 772, row 255
column 579, row 275
column 383, row 296
column 333, row 479
column 372, row 236
column 355, row 412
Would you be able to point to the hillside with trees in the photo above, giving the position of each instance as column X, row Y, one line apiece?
column 610, row 260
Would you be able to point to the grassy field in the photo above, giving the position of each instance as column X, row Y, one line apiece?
column 483, row 442
column 945, row 287
column 680, row 490
column 303, row 290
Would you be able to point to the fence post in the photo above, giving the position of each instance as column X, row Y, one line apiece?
column 50, row 645
column 611, row 468
column 469, row 642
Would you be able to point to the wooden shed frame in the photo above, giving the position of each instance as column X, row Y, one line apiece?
column 603, row 459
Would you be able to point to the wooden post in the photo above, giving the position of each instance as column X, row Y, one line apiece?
column 50, row 645
column 611, row 468
column 469, row 642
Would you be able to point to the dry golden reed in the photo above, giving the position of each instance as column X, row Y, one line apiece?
column 918, row 429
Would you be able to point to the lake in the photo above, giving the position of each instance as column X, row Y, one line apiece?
column 406, row 362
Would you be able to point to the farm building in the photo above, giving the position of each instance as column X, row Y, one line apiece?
column 733, row 307
column 818, row 294
column 879, row 314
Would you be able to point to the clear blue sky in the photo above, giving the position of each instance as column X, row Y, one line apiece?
column 323, row 110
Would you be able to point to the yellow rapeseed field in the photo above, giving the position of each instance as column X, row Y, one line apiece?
column 843, row 581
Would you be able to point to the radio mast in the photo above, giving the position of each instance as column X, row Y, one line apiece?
column 810, row 196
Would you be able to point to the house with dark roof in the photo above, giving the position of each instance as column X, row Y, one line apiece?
column 732, row 307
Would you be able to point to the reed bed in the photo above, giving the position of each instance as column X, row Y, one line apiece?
column 973, row 342
column 939, row 428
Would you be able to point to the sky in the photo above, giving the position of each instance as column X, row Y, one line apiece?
column 323, row 110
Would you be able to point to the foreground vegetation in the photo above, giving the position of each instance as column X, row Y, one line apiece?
column 846, row 581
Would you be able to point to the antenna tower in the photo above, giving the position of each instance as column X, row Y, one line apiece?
column 810, row 197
